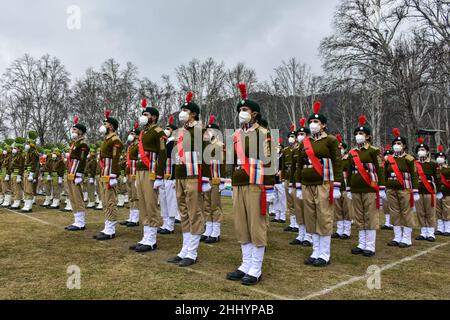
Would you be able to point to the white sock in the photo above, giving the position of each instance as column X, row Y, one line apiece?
column 440, row 225
column 347, row 227
column 407, row 235
column 257, row 260
column 388, row 220
column 316, row 246
column 215, row 229
column 301, row 232
column 194, row 241
column 362, row 239
column 371, row 237
column 184, row 249
column 208, row 229
column 446, row 226
column 398, row 234
column 247, row 250
column 340, row 227
column 325, row 247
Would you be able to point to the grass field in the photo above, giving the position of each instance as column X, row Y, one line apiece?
column 36, row 252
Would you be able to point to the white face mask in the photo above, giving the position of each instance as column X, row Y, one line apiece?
column 244, row 117
column 183, row 116
column 53, row 156
column 167, row 132
column 74, row 135
column 397, row 148
column 291, row 140
column 278, row 149
column 27, row 147
column 300, row 138
column 44, row 156
column 14, row 151
column 102, row 130
column 5, row 152
column 360, row 138
column 422, row 154
column 143, row 120
column 314, row 127
column 439, row 160
column 130, row 138
column 386, row 157
column 342, row 151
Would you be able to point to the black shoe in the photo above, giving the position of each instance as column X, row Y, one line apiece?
column 309, row 261
column 235, row 275
column 271, row 214
column 249, row 280
column 446, row 234
column 296, row 242
column 74, row 228
column 66, row 210
column 134, row 246
column 26, row 211
column 431, row 239
column 368, row 253
column 274, row 220
column 203, row 238
column 344, row 237
column 281, row 221
column 288, row 228
column 393, row 243
column 403, row 245
column 103, row 236
column 438, row 233
column 212, row 239
column 421, row 238
column 357, row 250
column 124, row 223
column 320, row 263
column 177, row 221
column 306, row 243
column 132, row 224
column 159, row 230
column 145, row 248
column 186, row 262
column 175, row 259
column 165, row 231
column 294, row 230
column 385, row 227
column 335, row 236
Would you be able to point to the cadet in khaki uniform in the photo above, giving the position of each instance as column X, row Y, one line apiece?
column 191, row 181
column 130, row 171
column 252, row 159
column 286, row 176
column 343, row 209
column 110, row 170
column 321, row 174
column 304, row 238
column 3, row 154
column 79, row 151
column 443, row 196
column 366, row 188
column 98, row 199
column 429, row 183
column 277, row 208
column 31, row 171
column 58, row 168
column 6, row 173
column 150, row 176
column 387, row 215
column 90, row 173
column 47, row 178
column 402, row 191
column 17, row 170
column 216, row 166
column 122, row 182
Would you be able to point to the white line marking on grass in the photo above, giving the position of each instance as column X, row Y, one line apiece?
column 384, row 268
column 30, row 217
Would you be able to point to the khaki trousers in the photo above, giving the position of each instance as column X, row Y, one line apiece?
column 212, row 205
column 148, row 200
column 190, row 205
column 57, row 190
column 90, row 188
column 299, row 209
column 367, row 216
column 132, row 192
column 6, row 186
column 250, row 225
column 343, row 209
column 109, row 201
column 401, row 212
column 28, row 188
column 290, row 206
column 75, row 195
column 97, row 187
column 48, row 187
column 426, row 214
column 446, row 208
column 318, row 210
column 18, row 188
column 385, row 206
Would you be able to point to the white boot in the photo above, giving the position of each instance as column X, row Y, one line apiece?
column 28, row 206
column 371, row 238
column 247, row 250
column 398, row 234
column 293, row 221
column 340, row 227
column 7, row 201
column 208, row 229
column 446, row 226
column 90, row 205
column 431, row 233
column 47, row 202
column 194, row 241
column 2, row 197
column 348, row 227
column 308, row 237
column 79, row 219
column 68, row 206
column 55, row 204
column 85, row 196
column 186, row 240
column 316, row 246
column 301, row 232
column 387, row 220
column 135, row 217
column 406, row 239
column 149, row 237
column 440, row 225
column 257, row 261
column 110, row 227
column 16, row 204
column 325, row 247
column 99, row 206
column 170, row 223
column 362, row 243
column 424, row 232
column 215, row 230
column 121, row 201
column 97, row 199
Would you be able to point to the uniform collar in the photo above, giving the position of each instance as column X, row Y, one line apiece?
column 319, row 137
column 110, row 135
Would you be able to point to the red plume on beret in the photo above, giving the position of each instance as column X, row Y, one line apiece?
column 362, row 120
column 107, row 113
column 421, row 140
column 75, row 120
column 339, row 137
column 317, row 106
column 171, row 120
column 144, row 103
column 302, row 122
column 388, row 147
column 440, row 148
column 211, row 119
column 136, row 125
column 396, row 132
column 292, row 127
column 189, row 97
column 280, row 140
column 243, row 90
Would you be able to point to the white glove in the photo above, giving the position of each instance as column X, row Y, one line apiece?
column 19, row 179
column 336, row 192
column 49, row 177
column 30, row 176
column 416, row 195
column 414, row 208
column 439, row 195
column 206, row 186
column 78, row 178
column 60, row 180
column 349, row 194
column 298, row 191
column 7, row 177
column 91, row 180
column 124, row 179
column 222, row 185
column 383, row 194
column 112, row 180
column 159, row 183
column 270, row 194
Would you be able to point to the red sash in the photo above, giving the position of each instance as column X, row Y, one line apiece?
column 445, row 182
column 399, row 176
column 144, row 157
column 425, row 182
column 69, row 159
column 245, row 163
column 359, row 165
column 316, row 162
column 128, row 157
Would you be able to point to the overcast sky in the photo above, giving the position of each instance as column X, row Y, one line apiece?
column 158, row 35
